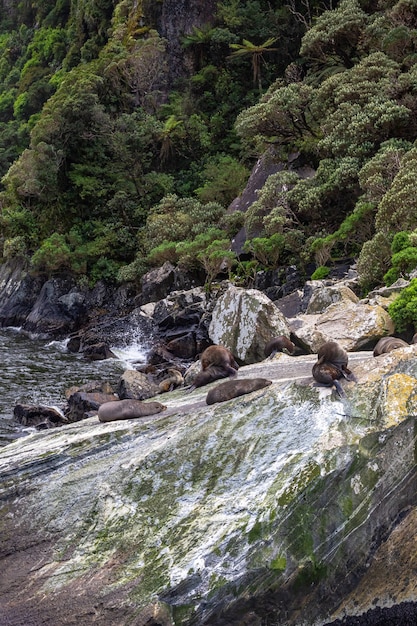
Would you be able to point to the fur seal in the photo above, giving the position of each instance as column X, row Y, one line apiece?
column 220, row 357
column 216, row 362
column 388, row 344
column 331, row 365
column 235, row 388
column 328, row 374
column 279, row 344
column 173, row 380
column 127, row 410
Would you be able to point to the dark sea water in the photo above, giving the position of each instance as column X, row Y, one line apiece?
column 36, row 371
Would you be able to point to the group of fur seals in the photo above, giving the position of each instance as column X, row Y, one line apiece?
column 235, row 388
column 128, row 409
column 331, row 365
column 216, row 362
column 388, row 344
column 278, row 344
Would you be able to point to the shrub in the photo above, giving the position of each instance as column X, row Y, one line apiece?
column 320, row 273
column 403, row 310
column 15, row 247
column 53, row 255
column 166, row 251
column 267, row 250
column 217, row 257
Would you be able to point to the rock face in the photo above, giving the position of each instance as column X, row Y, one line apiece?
column 284, row 506
column 244, row 320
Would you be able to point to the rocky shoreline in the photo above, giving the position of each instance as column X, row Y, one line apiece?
column 177, row 327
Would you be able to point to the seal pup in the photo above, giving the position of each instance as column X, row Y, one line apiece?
column 279, row 344
column 235, row 388
column 128, row 409
column 388, row 344
column 216, row 362
column 173, row 380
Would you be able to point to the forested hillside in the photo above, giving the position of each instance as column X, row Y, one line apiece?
column 127, row 129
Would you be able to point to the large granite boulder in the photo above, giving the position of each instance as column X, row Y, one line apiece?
column 354, row 325
column 243, row 321
column 136, row 385
column 285, row 506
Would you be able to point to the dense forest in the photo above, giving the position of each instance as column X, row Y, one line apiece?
column 128, row 128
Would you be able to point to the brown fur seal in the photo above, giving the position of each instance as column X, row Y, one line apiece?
column 127, row 410
column 331, row 352
column 173, row 380
column 328, row 374
column 331, row 365
column 234, row 388
column 279, row 344
column 220, row 357
column 216, row 362
column 387, row 344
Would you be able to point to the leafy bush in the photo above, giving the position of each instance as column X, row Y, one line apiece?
column 13, row 248
column 320, row 273
column 404, row 257
column 224, row 179
column 267, row 250
column 53, row 255
column 403, row 310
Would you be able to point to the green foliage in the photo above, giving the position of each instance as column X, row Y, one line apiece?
column 224, row 178
column 53, row 255
column 14, row 248
column 282, row 116
column 359, row 108
column 267, row 250
column 404, row 256
column 377, row 173
column 209, row 249
column 166, row 251
column 272, row 212
column 374, row 260
column 217, row 257
column 353, row 232
column 244, row 272
column 179, row 219
column 403, row 310
column 335, row 33
column 320, row 273
column 97, row 150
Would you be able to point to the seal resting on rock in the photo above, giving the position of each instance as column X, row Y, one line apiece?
column 331, row 365
column 388, row 344
column 235, row 388
column 216, row 362
column 173, row 380
column 127, row 409
column 220, row 357
column 328, row 374
column 279, row 344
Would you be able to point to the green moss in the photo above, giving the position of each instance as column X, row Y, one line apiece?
column 279, row 563
column 255, row 532
column 310, row 574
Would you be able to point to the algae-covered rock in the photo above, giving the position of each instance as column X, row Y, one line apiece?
column 269, row 508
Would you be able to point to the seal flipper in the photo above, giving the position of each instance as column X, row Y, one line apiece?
column 339, row 388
